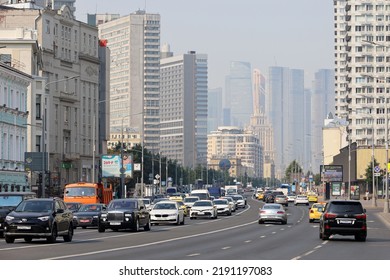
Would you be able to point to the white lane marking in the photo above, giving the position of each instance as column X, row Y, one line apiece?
column 273, row 232
column 310, row 252
column 263, row 236
column 248, row 241
column 193, row 255
column 225, row 248
column 282, row 229
column 148, row 244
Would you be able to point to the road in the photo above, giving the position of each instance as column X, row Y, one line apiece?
column 227, row 238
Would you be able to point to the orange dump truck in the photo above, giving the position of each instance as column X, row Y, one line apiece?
column 85, row 193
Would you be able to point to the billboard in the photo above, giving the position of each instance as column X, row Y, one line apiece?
column 111, row 166
column 332, row 173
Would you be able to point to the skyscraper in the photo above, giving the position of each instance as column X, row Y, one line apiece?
column 184, row 108
column 134, row 41
column 214, row 109
column 238, row 95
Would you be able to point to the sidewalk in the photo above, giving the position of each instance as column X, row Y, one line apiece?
column 368, row 204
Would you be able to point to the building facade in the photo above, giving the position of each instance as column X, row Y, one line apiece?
column 183, row 135
column 13, row 128
column 134, row 41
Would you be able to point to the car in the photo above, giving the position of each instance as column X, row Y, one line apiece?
column 203, row 209
column 239, row 199
column 301, row 199
column 88, row 215
column 223, row 206
column 259, row 195
column 265, row 194
column 291, row 197
column 269, row 197
column 312, row 197
column 167, row 212
column 272, row 212
column 148, row 203
column 73, row 206
column 184, row 207
column 343, row 217
column 189, row 201
column 281, row 199
column 231, row 202
column 315, row 211
column 125, row 213
column 39, row 218
column 8, row 202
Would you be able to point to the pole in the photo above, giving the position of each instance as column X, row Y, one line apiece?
column 386, row 202
column 122, row 170
column 93, row 144
column 349, row 168
column 43, row 157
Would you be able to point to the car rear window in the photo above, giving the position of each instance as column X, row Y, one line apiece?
column 345, row 206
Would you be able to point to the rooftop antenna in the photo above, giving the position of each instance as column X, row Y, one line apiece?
column 145, row 6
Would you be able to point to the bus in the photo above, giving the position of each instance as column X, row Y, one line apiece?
column 285, row 188
column 87, row 193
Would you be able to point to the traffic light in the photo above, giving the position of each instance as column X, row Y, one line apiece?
column 39, row 179
column 47, row 179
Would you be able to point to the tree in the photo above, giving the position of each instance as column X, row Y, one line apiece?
column 293, row 171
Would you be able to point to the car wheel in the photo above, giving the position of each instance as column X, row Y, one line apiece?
column 323, row 236
column 178, row 220
column 230, row 213
column 261, row 222
column 284, row 222
column 360, row 237
column 69, row 236
column 53, row 237
column 9, row 239
column 101, row 228
column 28, row 239
column 310, row 220
column 148, row 226
column 136, row 225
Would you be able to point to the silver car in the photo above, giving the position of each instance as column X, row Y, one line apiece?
column 281, row 199
column 272, row 212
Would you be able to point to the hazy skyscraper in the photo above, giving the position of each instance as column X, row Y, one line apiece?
column 238, row 95
column 286, row 112
column 322, row 103
column 214, row 109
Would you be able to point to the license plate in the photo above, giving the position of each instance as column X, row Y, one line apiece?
column 346, row 222
column 84, row 221
column 200, row 213
column 115, row 223
column 23, row 227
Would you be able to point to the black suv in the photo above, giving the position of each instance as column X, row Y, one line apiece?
column 8, row 203
column 343, row 217
column 39, row 218
column 127, row 213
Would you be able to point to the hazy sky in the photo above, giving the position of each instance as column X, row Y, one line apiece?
column 290, row 33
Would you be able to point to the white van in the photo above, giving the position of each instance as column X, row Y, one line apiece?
column 202, row 194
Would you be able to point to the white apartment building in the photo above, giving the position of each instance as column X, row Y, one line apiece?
column 63, row 102
column 362, row 43
column 134, row 41
column 183, row 111
column 233, row 142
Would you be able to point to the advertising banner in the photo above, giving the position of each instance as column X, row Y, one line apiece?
column 332, row 173
column 111, row 166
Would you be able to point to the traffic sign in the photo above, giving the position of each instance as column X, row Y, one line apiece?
column 157, row 176
column 377, row 169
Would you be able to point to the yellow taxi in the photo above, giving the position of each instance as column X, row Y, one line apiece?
column 176, row 197
column 312, row 197
column 315, row 211
column 260, row 195
column 183, row 206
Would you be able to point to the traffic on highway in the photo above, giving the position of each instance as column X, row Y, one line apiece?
column 245, row 228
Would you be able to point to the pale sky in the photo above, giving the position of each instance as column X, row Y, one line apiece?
column 290, row 33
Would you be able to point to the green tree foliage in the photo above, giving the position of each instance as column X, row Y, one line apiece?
column 293, row 171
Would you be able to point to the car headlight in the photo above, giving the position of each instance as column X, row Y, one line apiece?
column 9, row 218
column 44, row 218
column 127, row 215
column 173, row 215
column 103, row 215
column 95, row 217
column 74, row 217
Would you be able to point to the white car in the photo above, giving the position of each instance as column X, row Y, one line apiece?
column 301, row 199
column 223, row 206
column 231, row 202
column 240, row 200
column 203, row 208
column 190, row 200
column 167, row 212
column 291, row 197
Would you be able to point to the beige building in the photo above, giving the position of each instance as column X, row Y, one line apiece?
column 64, row 52
column 232, row 142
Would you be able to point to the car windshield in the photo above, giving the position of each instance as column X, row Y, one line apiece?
column 34, row 206
column 72, row 206
column 202, row 203
column 122, row 204
column 82, row 191
column 274, row 206
column 346, row 207
column 220, row 201
column 10, row 200
column 146, row 201
column 165, row 206
column 191, row 199
column 90, row 208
